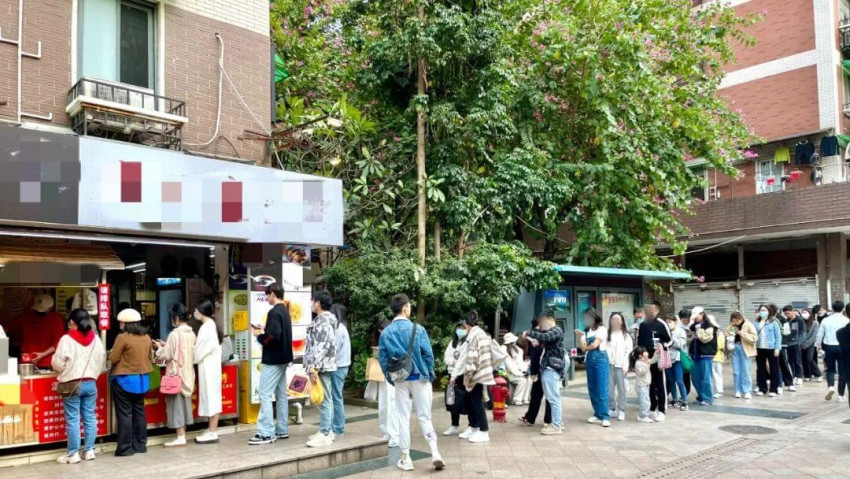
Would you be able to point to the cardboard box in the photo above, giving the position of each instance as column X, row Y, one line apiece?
column 9, row 424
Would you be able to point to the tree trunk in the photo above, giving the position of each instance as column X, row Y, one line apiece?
column 461, row 244
column 420, row 170
column 437, row 246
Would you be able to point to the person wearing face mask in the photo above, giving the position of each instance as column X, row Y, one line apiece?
column 820, row 313
column 455, row 359
column 745, row 337
column 810, row 358
column 768, row 347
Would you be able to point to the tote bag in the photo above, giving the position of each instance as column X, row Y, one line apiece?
column 687, row 362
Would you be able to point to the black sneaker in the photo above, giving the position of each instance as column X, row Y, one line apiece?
column 282, row 436
column 258, row 440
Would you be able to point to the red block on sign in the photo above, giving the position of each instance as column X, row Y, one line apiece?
column 131, row 182
column 231, row 202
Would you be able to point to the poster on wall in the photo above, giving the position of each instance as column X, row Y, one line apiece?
column 256, row 368
column 557, row 300
column 258, row 314
column 296, row 254
column 237, row 308
column 623, row 303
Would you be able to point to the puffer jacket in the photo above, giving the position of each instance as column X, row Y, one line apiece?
column 321, row 344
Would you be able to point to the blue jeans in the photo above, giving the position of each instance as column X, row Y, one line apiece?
column 551, row 380
column 81, row 404
column 596, row 363
column 702, row 379
column 337, row 383
column 741, row 370
column 675, row 379
column 273, row 388
column 326, row 409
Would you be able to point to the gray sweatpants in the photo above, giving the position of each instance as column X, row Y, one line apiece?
column 643, row 397
column 617, row 390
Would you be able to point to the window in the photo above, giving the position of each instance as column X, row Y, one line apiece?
column 117, row 41
column 769, row 176
column 700, row 193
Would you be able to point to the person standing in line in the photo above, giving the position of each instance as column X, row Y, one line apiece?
column 207, row 356
column 131, row 363
column 745, row 337
column 843, row 337
column 343, row 363
column 553, row 367
column 768, row 348
column 177, row 354
column 387, row 415
column 795, row 346
column 651, row 333
column 717, row 362
column 685, row 325
column 828, row 341
column 320, row 361
column 455, row 359
column 704, row 350
column 643, row 380
column 276, row 339
column 640, row 316
column 619, row 349
column 810, row 354
column 416, row 389
column 789, row 338
column 593, row 342
column 477, row 376
column 79, row 356
column 535, row 354
column 675, row 378
column 515, row 368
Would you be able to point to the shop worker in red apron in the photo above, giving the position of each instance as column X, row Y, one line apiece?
column 40, row 330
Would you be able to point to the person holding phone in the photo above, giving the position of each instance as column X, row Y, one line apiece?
column 651, row 333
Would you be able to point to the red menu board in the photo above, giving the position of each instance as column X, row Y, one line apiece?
column 155, row 412
column 49, row 410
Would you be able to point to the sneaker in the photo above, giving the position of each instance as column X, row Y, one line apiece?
column 820, row 379
column 773, row 395
column 405, row 463
column 319, row 434
column 208, row 437
column 282, row 435
column 793, row 389
column 621, row 416
column 606, row 423
column 737, row 395
column 651, row 414
column 552, row 430
column 830, row 393
column 759, row 393
column 392, row 444
column 660, row 417
column 90, row 456
column 178, row 441
column 779, row 391
column 683, row 406
column 840, row 398
column 321, row 441
column 799, row 381
column 258, row 440
column 645, row 420
column 450, row 431
column 748, row 396
column 479, row 437
column 69, row 458
column 468, row 433
column 702, row 403
column 718, row 395
column 525, row 421
column 593, row 420
column 437, row 460
column 612, row 413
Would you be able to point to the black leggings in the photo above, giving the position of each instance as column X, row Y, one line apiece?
column 475, row 409
column 130, row 417
column 810, row 363
column 766, row 360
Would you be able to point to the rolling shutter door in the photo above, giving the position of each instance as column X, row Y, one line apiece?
column 798, row 292
column 713, row 297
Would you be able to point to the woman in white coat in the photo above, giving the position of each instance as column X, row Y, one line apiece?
column 208, row 358
column 516, row 366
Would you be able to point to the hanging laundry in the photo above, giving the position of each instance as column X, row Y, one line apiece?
column 843, row 141
column 782, row 155
column 803, row 152
column 828, row 146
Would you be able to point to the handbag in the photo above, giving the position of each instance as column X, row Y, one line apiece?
column 687, row 362
column 172, row 384
column 373, row 371
column 226, row 349
column 730, row 342
column 664, row 360
column 69, row 388
column 399, row 369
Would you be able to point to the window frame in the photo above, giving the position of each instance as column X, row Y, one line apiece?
column 776, row 170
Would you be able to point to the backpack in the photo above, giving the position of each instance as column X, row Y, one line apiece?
column 399, row 369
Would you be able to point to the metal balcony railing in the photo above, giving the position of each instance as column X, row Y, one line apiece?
column 126, row 95
column 844, row 34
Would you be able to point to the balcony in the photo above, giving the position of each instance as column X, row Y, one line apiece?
column 122, row 112
column 847, row 110
column 844, row 34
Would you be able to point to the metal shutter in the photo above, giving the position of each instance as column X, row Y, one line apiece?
column 718, row 299
column 799, row 292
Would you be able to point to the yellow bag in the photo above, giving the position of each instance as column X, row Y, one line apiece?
column 317, row 393
column 373, row 371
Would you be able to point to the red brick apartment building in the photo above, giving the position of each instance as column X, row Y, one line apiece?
column 778, row 232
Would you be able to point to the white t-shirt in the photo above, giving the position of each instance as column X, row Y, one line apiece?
column 599, row 333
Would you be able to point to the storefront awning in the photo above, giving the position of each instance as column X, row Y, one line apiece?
column 643, row 273
column 58, row 252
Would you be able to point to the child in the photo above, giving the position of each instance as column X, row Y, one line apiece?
column 641, row 363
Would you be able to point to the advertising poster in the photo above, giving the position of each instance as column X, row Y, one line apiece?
column 259, row 311
column 256, row 367
column 237, row 308
column 296, row 254
column 557, row 300
column 623, row 303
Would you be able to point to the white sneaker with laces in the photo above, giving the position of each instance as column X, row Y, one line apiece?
column 450, row 431
column 612, row 412
column 479, row 437
column 468, row 433
column 759, row 393
column 773, row 395
column 69, row 458
column 405, row 463
column 176, row 442
column 645, row 420
column 606, row 423
column 318, row 434
column 89, row 455
column 437, row 460
column 593, row 420
column 208, row 437
column 748, row 396
column 793, row 389
column 321, row 441
column 621, row 416
column 660, row 417
column 737, row 395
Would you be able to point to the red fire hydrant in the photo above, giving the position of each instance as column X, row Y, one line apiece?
column 500, row 397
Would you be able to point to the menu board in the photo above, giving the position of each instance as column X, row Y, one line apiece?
column 48, row 417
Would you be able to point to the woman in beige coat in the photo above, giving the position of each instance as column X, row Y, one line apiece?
column 745, row 349
column 176, row 352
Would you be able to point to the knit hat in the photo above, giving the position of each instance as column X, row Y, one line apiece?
column 129, row 316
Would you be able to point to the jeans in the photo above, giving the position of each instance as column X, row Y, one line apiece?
column 767, row 362
column 832, row 358
column 810, row 363
column 81, row 404
column 475, row 409
column 534, row 404
column 657, row 390
column 273, row 389
column 702, row 379
column 795, row 360
column 596, row 363
column 617, row 390
column 675, row 379
column 418, row 395
column 741, row 371
column 338, row 381
column 552, row 390
column 130, row 418
column 326, row 409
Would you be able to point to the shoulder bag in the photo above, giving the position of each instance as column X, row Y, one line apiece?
column 172, row 384
column 399, row 369
column 70, row 388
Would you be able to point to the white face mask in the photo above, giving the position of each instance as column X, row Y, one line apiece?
column 197, row 315
column 806, row 315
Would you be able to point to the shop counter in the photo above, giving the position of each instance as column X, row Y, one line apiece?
column 155, row 411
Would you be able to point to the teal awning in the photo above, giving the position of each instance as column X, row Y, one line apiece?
column 642, row 273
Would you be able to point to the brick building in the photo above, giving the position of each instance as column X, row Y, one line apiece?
column 778, row 232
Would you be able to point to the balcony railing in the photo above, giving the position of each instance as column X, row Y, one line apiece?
column 844, row 33
column 124, row 112
column 847, row 109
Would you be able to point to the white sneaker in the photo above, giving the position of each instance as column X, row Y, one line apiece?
column 645, row 420
column 737, row 395
column 321, row 441
column 793, row 389
column 830, row 392
column 479, row 437
column 799, row 381
column 651, row 414
column 69, row 458
column 176, row 442
column 840, row 398
column 468, row 433
column 773, row 395
column 405, row 463
column 759, row 393
column 606, row 423
column 437, row 460
column 89, row 455
column 779, row 391
column 621, row 416
column 660, row 417
column 718, row 395
column 593, row 420
column 552, row 430
column 820, row 379
column 612, row 413
column 450, row 431
column 319, row 434
column 748, row 396
column 208, row 437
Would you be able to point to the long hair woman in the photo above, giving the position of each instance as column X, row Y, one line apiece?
column 79, row 358
column 207, row 355
column 455, row 359
column 593, row 341
column 768, row 347
column 810, row 354
column 177, row 353
column 619, row 348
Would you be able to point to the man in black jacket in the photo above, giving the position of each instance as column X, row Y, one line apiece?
column 651, row 333
column 276, row 339
column 535, row 353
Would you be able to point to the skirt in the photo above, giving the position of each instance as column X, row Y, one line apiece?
column 179, row 410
